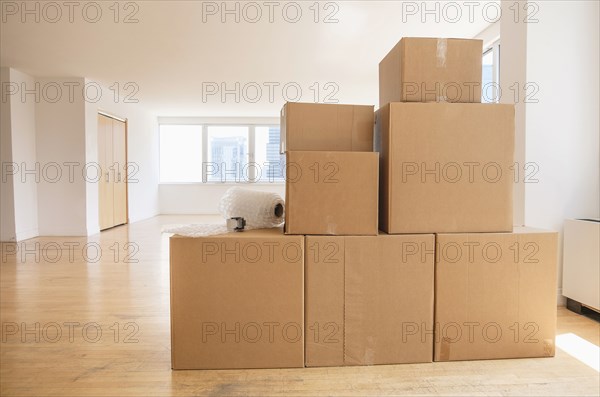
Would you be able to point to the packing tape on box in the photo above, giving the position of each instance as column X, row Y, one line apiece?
column 260, row 210
column 442, row 49
column 445, row 349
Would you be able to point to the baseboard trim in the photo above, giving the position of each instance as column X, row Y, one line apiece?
column 26, row 235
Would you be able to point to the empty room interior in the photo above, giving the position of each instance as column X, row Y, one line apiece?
column 300, row 198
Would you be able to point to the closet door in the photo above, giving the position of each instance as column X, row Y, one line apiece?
column 105, row 184
column 119, row 172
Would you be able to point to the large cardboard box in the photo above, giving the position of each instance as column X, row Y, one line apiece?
column 431, row 70
column 318, row 126
column 333, row 193
column 237, row 301
column 495, row 295
column 369, row 299
column 445, row 167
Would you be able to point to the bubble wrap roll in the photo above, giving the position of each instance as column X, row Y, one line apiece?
column 259, row 209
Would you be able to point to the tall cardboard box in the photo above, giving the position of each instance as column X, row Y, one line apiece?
column 445, row 167
column 318, row 126
column 431, row 70
column 332, row 193
column 495, row 295
column 369, row 299
column 237, row 301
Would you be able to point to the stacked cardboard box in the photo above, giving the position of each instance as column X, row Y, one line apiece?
column 495, row 295
column 237, row 301
column 431, row 70
column 361, row 288
column 331, row 169
column 446, row 279
column 447, row 168
column 332, row 193
column 368, row 298
column 323, row 127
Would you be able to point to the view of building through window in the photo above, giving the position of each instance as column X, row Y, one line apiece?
column 269, row 161
column 232, row 153
column 490, row 78
column 488, row 67
column 227, row 154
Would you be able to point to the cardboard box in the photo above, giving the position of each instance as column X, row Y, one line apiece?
column 317, row 126
column 495, row 295
column 332, row 193
column 431, row 70
column 237, row 301
column 445, row 167
column 369, row 299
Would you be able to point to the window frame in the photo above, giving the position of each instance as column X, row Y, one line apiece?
column 205, row 123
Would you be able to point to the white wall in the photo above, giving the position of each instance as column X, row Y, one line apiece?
column 489, row 35
column 142, row 153
column 203, row 198
column 52, row 131
column 60, row 129
column 22, row 118
column 513, row 69
column 563, row 128
column 7, row 202
column 19, row 188
column 559, row 133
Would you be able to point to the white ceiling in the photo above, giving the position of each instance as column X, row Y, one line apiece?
column 170, row 52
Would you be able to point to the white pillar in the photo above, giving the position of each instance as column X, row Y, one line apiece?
column 557, row 54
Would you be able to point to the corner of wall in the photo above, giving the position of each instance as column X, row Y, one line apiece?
column 60, row 128
column 7, row 213
column 91, row 157
column 23, row 133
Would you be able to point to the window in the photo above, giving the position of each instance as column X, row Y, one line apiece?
column 180, row 153
column 227, row 154
column 217, row 153
column 266, row 154
column 490, row 81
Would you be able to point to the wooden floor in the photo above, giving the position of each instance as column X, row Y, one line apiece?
column 129, row 302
